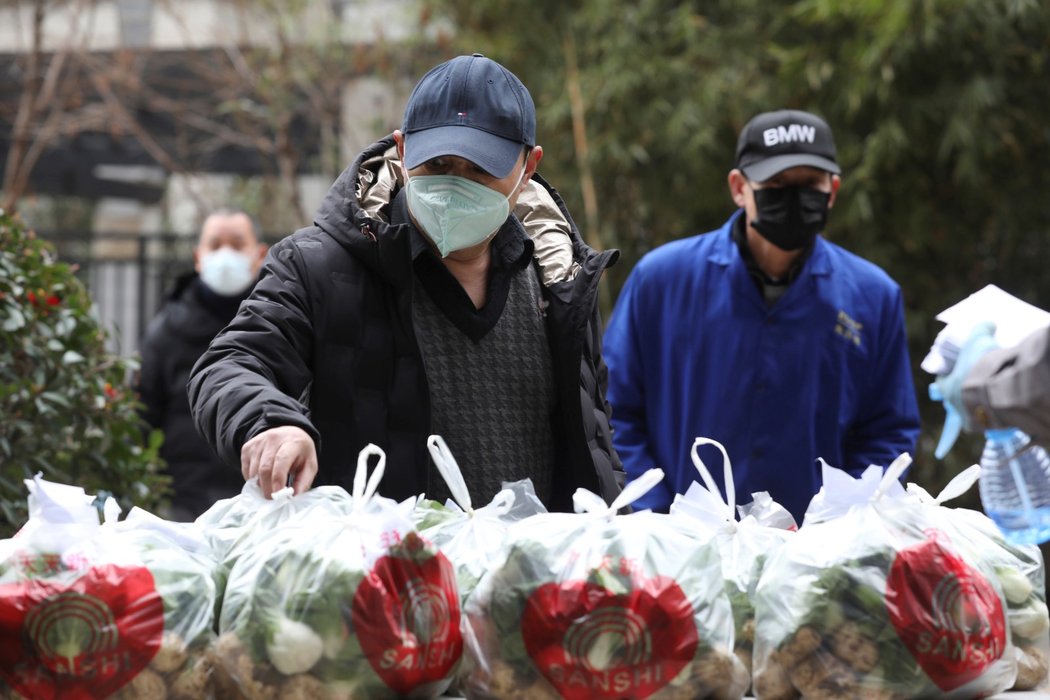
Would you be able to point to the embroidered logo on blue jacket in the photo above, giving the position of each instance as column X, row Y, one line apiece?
column 847, row 328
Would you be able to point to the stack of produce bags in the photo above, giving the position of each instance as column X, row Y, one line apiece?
column 595, row 605
column 1019, row 569
column 744, row 545
column 91, row 611
column 327, row 605
column 876, row 597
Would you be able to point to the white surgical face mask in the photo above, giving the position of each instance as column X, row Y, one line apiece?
column 227, row 272
column 454, row 212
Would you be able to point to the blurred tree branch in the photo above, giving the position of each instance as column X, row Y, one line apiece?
column 270, row 94
column 47, row 94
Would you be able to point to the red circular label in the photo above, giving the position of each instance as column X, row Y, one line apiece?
column 406, row 618
column 592, row 643
column 82, row 641
column 947, row 614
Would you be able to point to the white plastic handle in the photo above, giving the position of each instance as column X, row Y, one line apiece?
column 449, row 468
column 893, row 473
column 727, row 475
column 110, row 510
column 960, row 484
column 585, row 501
column 283, row 495
column 365, row 486
column 501, row 503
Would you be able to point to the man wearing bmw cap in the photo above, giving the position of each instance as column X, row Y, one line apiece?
column 762, row 335
column 443, row 288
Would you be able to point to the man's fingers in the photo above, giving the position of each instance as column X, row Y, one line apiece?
column 269, row 466
column 254, row 449
column 247, row 454
column 274, row 454
column 304, row 477
column 289, row 459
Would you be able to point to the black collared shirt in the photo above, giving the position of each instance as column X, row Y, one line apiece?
column 511, row 252
column 770, row 288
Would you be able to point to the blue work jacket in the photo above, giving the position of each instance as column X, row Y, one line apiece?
column 694, row 351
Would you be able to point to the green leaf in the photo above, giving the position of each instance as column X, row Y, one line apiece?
column 56, row 398
column 15, row 320
column 71, row 357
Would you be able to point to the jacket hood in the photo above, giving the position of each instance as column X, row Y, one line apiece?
column 354, row 214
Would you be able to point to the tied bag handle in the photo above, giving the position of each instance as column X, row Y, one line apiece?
column 729, row 501
column 960, row 484
column 365, row 486
column 585, row 501
column 892, row 475
column 449, row 469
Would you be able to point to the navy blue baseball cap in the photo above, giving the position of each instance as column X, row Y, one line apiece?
column 471, row 107
column 775, row 141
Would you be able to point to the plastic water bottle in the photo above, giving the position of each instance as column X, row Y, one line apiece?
column 1015, row 486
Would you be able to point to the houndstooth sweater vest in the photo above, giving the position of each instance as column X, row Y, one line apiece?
column 492, row 400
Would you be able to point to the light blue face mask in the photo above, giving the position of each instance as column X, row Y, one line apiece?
column 454, row 212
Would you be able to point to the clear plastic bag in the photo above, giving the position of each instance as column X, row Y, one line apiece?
column 235, row 525
column 1019, row 569
column 473, row 539
column 875, row 598
column 342, row 606
column 91, row 611
column 251, row 514
column 745, row 536
column 596, row 605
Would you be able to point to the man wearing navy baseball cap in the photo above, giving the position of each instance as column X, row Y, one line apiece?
column 443, row 289
column 762, row 335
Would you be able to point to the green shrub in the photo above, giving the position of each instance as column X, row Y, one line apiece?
column 65, row 408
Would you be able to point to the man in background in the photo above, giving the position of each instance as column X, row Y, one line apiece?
column 763, row 336
column 226, row 263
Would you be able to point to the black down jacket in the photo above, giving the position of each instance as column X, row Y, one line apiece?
column 326, row 342
column 173, row 342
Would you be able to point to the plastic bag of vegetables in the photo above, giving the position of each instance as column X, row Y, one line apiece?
column 596, row 605
column 341, row 606
column 428, row 513
column 251, row 514
column 234, row 525
column 745, row 538
column 474, row 539
column 90, row 611
column 875, row 598
column 1019, row 569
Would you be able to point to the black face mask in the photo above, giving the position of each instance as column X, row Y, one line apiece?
column 790, row 217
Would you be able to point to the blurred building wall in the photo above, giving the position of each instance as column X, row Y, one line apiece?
column 114, row 244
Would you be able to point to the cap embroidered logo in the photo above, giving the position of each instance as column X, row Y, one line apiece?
column 789, row 134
